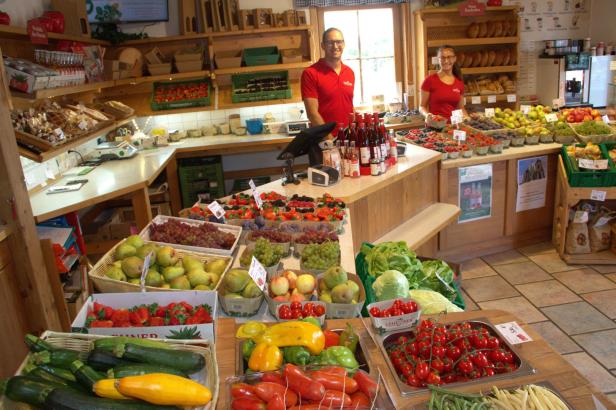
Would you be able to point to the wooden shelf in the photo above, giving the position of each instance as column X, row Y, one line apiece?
column 472, row 41
column 21, row 33
column 60, row 91
column 484, row 98
column 440, row 10
column 55, row 151
column 490, row 70
column 260, row 31
column 260, row 68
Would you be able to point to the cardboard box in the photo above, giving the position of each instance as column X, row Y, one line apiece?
column 120, row 300
column 189, row 54
column 291, row 55
column 158, row 69
column 188, row 66
column 154, row 56
column 228, row 58
column 25, row 82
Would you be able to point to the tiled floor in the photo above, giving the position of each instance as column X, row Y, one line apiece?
column 573, row 307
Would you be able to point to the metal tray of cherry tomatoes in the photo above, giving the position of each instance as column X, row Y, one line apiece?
column 476, row 342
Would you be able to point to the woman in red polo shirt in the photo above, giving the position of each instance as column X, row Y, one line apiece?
column 443, row 92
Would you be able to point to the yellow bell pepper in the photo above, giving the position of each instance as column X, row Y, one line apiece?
column 250, row 330
column 264, row 358
column 294, row 333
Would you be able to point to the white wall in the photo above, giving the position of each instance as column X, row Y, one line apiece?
column 602, row 27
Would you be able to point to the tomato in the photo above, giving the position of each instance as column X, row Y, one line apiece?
column 463, row 344
column 247, row 403
column 465, row 366
column 375, row 312
column 422, row 370
column 487, row 372
column 276, row 403
column 438, row 351
column 507, row 357
column 447, row 364
column 449, row 378
column 479, row 342
column 426, row 324
column 243, row 390
column 266, row 391
column 406, row 369
column 479, row 360
column 273, row 378
column 331, row 338
column 359, row 400
column 296, row 314
column 412, row 380
column 424, row 349
column 496, row 355
column 302, row 384
column 319, row 310
column 402, row 340
column 466, row 326
column 437, row 364
column 365, row 383
column 335, row 382
column 336, row 398
column 493, row 342
column 433, row 378
column 453, row 352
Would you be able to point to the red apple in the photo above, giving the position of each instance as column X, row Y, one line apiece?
column 306, row 283
column 283, row 298
column 291, row 277
column 279, row 285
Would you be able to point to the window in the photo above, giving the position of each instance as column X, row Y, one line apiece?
column 369, row 50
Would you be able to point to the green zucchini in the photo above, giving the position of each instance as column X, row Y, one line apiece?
column 58, row 358
column 27, row 390
column 61, row 373
column 140, row 369
column 36, row 344
column 103, row 360
column 188, row 362
column 43, row 375
column 110, row 343
column 67, row 399
column 86, row 375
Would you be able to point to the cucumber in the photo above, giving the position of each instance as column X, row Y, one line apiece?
column 86, row 375
column 58, row 358
column 188, row 362
column 27, row 390
column 58, row 372
column 36, row 344
column 110, row 343
column 67, row 399
column 140, row 369
column 100, row 359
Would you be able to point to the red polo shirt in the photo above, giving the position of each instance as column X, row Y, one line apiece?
column 444, row 98
column 333, row 91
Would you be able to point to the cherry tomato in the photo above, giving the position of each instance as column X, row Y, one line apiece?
column 447, row 364
column 406, row 370
column 493, row 342
column 496, row 355
column 453, row 352
column 465, row 366
column 433, row 378
column 426, row 324
column 402, row 340
column 488, row 372
column 437, row 364
column 449, row 378
column 422, row 370
column 438, row 351
column 424, row 349
column 296, row 305
column 507, row 357
column 479, row 360
column 319, row 310
column 479, row 341
column 375, row 312
column 412, row 380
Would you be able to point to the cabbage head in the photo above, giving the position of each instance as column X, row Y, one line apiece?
column 391, row 284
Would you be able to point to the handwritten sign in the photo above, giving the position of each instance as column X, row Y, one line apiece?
column 255, row 194
column 489, row 112
column 598, row 195
column 491, row 99
column 580, row 217
column 525, row 109
column 592, row 163
column 459, row 135
column 511, row 98
column 258, row 273
column 513, row 333
column 216, row 209
column 551, row 117
column 476, row 100
column 144, row 271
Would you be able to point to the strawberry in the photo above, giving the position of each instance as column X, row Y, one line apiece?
column 122, row 324
column 177, row 319
column 187, row 306
column 101, row 323
column 144, row 313
column 193, row 320
column 157, row 321
column 119, row 316
column 105, row 313
column 160, row 312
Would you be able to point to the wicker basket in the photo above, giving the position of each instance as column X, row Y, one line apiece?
column 108, row 285
column 591, row 138
column 84, row 343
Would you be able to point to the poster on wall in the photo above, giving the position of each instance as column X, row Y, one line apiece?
column 532, row 183
column 552, row 19
column 475, row 192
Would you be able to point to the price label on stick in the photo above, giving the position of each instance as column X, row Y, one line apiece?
column 459, row 135
column 511, row 98
column 255, row 194
column 513, row 333
column 551, row 117
column 525, row 109
column 216, row 209
column 606, row 119
column 476, row 100
column 457, row 117
column 144, row 271
column 489, row 112
column 592, row 163
column 258, row 273
column 598, row 195
column 491, row 99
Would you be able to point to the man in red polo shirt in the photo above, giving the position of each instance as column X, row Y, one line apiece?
column 327, row 85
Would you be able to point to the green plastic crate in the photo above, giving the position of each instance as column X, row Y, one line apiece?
column 196, row 176
column 367, row 280
column 240, row 81
column 261, row 56
column 199, row 102
column 590, row 178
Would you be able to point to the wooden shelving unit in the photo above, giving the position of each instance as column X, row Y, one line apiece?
column 21, row 33
column 473, row 41
column 261, row 68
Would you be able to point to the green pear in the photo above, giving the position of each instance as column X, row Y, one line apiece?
column 233, row 295
column 198, row 276
column 202, row 287
column 124, row 251
column 135, row 241
column 325, row 297
column 166, row 256
column 132, row 266
column 216, row 266
column 342, row 294
column 172, row 272
column 146, row 250
column 165, row 286
column 214, row 278
column 354, row 287
column 335, row 276
column 181, row 282
column 236, row 279
column 153, row 278
column 116, row 273
column 189, row 263
column 251, row 290
column 117, row 264
column 135, row 281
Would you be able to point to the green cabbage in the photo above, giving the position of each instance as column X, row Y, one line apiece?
column 390, row 285
column 437, row 276
column 432, row 302
column 393, row 255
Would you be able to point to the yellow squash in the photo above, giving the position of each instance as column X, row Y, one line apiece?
column 265, row 358
column 165, row 389
column 107, row 388
column 294, row 333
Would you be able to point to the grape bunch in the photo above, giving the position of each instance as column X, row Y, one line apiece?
column 265, row 252
column 274, row 236
column 313, row 236
column 203, row 235
column 259, row 223
column 321, row 256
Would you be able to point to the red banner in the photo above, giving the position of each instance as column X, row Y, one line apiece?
column 471, row 8
column 37, row 32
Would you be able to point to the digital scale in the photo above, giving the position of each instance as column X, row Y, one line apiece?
column 109, row 151
column 295, row 127
column 323, row 175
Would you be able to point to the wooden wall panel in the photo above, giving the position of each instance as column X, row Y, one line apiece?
column 13, row 324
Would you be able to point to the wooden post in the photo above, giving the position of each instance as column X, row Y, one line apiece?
column 174, row 187
column 141, row 207
column 16, row 211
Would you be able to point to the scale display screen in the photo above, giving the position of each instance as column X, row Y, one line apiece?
column 131, row 11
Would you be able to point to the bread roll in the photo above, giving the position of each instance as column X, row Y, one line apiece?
column 513, row 57
column 506, row 27
column 460, row 57
column 491, row 57
column 506, row 54
column 498, row 29
column 468, row 59
column 472, row 30
column 491, row 28
column 483, row 29
column 498, row 60
column 476, row 59
column 484, row 59
column 513, row 28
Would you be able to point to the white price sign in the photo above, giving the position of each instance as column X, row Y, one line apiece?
column 434, row 60
column 592, row 163
column 491, row 99
column 258, row 273
column 551, row 117
column 489, row 112
column 476, row 100
column 580, row 217
column 606, row 119
column 513, row 333
column 511, row 98
column 457, row 117
column 255, row 194
column 525, row 109
column 144, row 271
column 217, row 210
column 598, row 195
column 459, row 135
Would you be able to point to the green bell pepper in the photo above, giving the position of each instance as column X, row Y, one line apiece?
column 337, row 356
column 297, row 355
column 312, row 320
column 247, row 349
column 349, row 338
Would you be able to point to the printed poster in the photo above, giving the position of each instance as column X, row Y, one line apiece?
column 475, row 192
column 532, row 183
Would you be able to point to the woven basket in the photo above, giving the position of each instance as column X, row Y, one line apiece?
column 108, row 285
column 84, row 343
column 591, row 138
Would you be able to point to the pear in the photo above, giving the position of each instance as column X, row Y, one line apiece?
column 354, row 287
column 172, row 272
column 145, row 250
column 189, row 263
column 335, row 276
column 135, row 281
column 236, row 279
column 135, row 241
column 198, row 277
column 132, row 266
column 202, row 287
column 342, row 294
column 233, row 295
column 251, row 290
column 325, row 297
column 116, row 273
column 165, row 286
column 166, row 256
column 117, row 264
column 153, row 278
column 124, row 251
column 181, row 282
column 216, row 266
column 214, row 278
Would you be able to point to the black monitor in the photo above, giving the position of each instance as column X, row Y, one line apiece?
column 306, row 142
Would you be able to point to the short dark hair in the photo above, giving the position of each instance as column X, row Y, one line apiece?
column 329, row 30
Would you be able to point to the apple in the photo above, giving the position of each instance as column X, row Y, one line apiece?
column 291, row 277
column 297, row 297
column 279, row 285
column 587, row 118
column 306, row 283
column 282, row 298
column 595, row 113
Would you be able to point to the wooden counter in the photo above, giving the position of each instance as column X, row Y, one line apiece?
column 550, row 366
column 509, row 153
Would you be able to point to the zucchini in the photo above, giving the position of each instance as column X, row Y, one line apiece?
column 86, row 375
column 100, row 359
column 27, row 390
column 58, row 372
column 36, row 344
column 188, row 362
column 110, row 343
column 41, row 374
column 67, row 399
column 58, row 358
column 141, row 369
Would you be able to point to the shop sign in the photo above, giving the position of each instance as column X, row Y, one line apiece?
column 475, row 192
column 472, row 8
column 532, row 183
column 37, row 32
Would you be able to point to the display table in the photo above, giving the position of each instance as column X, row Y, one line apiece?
column 550, row 366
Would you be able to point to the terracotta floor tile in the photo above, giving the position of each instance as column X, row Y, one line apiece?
column 502, row 258
column 476, row 268
column 551, row 262
column 489, row 288
column 576, row 318
column 547, row 293
column 604, row 268
column 525, row 272
column 555, row 337
column 593, row 371
column 518, row 306
column 470, row 305
column 605, row 301
column 601, row 346
column 537, row 249
column 584, row 280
